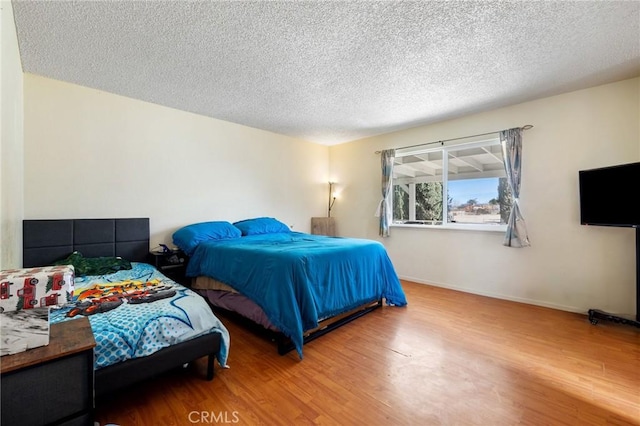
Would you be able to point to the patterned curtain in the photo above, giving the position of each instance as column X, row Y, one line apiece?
column 384, row 209
column 511, row 141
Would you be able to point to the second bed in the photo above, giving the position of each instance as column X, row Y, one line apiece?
column 289, row 282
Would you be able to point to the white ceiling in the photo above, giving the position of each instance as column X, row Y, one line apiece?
column 331, row 71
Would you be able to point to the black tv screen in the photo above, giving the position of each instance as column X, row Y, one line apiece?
column 608, row 195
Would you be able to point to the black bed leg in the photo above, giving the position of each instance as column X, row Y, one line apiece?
column 210, row 370
column 285, row 345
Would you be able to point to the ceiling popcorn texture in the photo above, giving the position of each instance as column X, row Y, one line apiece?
column 331, row 71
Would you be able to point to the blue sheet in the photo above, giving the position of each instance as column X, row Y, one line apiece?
column 299, row 279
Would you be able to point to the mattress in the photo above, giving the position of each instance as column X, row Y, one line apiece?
column 208, row 283
column 135, row 313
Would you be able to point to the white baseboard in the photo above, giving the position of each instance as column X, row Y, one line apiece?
column 498, row 296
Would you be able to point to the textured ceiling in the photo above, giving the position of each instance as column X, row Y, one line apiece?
column 331, row 71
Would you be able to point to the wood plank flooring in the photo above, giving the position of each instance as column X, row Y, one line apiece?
column 449, row 358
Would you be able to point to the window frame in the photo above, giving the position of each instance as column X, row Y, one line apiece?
column 444, row 149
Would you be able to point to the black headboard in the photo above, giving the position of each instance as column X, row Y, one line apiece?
column 45, row 241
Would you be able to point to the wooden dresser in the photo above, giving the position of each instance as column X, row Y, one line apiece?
column 51, row 384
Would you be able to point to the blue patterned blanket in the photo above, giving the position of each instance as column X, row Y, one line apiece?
column 134, row 313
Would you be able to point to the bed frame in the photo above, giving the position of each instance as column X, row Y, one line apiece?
column 284, row 343
column 45, row 241
column 242, row 310
column 325, row 326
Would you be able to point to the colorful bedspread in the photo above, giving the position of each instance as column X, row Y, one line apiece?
column 299, row 279
column 134, row 313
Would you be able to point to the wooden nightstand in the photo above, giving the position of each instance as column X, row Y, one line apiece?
column 173, row 264
column 51, row 384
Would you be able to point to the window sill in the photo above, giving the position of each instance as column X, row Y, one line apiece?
column 454, row 226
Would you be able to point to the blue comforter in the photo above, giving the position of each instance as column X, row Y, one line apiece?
column 299, row 279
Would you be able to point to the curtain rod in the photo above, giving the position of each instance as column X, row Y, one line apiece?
column 525, row 127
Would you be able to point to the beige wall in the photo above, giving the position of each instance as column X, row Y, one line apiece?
column 93, row 154
column 11, row 143
column 568, row 266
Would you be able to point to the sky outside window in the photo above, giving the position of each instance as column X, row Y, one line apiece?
column 482, row 190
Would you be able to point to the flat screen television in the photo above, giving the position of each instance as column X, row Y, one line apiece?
column 608, row 196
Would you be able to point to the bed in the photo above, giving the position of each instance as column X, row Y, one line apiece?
column 295, row 284
column 143, row 322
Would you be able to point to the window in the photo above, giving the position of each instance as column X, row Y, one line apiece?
column 472, row 177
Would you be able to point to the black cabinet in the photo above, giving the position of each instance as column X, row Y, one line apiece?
column 173, row 264
column 53, row 384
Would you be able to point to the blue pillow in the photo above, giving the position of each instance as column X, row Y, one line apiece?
column 188, row 237
column 261, row 225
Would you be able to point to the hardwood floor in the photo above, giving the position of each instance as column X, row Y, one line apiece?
column 449, row 358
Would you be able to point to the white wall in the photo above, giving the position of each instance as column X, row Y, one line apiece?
column 568, row 266
column 93, row 154
column 11, row 142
